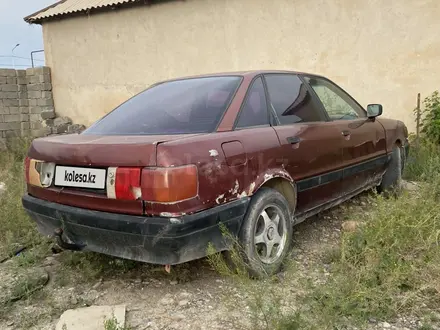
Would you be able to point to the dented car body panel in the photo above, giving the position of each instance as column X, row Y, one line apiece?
column 174, row 189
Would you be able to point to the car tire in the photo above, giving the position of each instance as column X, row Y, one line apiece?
column 265, row 235
column 391, row 180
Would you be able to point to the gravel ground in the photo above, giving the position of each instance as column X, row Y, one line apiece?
column 198, row 299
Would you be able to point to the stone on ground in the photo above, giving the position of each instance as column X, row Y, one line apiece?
column 91, row 318
column 410, row 185
column 350, row 226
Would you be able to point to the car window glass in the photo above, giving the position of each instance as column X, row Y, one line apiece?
column 175, row 107
column 337, row 104
column 291, row 100
column 254, row 111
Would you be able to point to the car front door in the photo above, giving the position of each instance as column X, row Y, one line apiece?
column 311, row 145
column 364, row 151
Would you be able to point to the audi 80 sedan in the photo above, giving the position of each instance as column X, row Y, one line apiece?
column 161, row 177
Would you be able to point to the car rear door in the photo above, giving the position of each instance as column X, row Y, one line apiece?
column 311, row 145
column 364, row 148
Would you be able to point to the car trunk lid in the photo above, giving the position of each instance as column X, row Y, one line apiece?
column 102, row 151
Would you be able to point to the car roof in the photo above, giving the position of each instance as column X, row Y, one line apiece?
column 250, row 73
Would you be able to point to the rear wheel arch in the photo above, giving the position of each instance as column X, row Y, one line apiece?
column 286, row 188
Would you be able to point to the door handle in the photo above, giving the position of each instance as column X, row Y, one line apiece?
column 294, row 139
column 345, row 133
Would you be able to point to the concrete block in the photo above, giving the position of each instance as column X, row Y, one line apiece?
column 33, row 79
column 20, row 73
column 21, row 80
column 62, row 121
column 42, row 70
column 48, row 114
column 8, row 95
column 34, row 87
column 75, row 128
column 11, row 118
column 34, row 117
column 2, row 80
column 32, row 102
column 13, row 102
column 8, row 72
column 4, row 111
column 45, row 102
column 2, row 119
column 9, row 88
column 9, row 134
column 35, row 110
column 47, row 123
column 29, row 71
column 23, row 103
column 46, row 86
column 25, row 126
column 24, row 118
column 14, row 110
column 25, row 132
column 91, row 318
column 24, row 109
column 11, row 80
column 22, row 95
column 45, row 78
column 22, row 88
column 9, row 126
column 34, row 95
column 60, row 129
column 46, row 95
column 36, row 125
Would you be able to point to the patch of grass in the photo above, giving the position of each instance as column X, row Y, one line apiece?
column 389, row 266
column 423, row 162
column 86, row 266
column 262, row 298
column 17, row 230
column 113, row 324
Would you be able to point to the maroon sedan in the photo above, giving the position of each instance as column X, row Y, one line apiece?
column 257, row 152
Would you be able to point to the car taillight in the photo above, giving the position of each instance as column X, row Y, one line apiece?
column 39, row 173
column 27, row 162
column 169, row 184
column 161, row 185
column 124, row 183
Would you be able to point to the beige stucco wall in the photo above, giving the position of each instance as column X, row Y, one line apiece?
column 380, row 51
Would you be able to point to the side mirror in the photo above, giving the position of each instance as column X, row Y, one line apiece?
column 374, row 110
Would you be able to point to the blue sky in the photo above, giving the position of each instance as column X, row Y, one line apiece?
column 14, row 30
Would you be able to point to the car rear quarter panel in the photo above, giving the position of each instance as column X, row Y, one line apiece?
column 394, row 132
column 230, row 165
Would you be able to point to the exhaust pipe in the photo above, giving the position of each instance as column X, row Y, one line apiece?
column 58, row 233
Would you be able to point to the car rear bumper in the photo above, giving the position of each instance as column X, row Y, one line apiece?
column 156, row 240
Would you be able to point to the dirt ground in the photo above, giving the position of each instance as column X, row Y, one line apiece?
column 193, row 296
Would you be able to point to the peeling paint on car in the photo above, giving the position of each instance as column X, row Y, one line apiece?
column 267, row 177
column 234, row 190
column 213, row 153
column 217, row 200
column 251, row 188
column 243, row 194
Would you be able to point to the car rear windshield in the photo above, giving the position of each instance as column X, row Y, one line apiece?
column 177, row 107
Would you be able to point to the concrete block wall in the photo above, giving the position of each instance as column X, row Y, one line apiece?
column 27, row 106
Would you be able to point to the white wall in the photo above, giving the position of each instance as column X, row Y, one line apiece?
column 380, row 51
